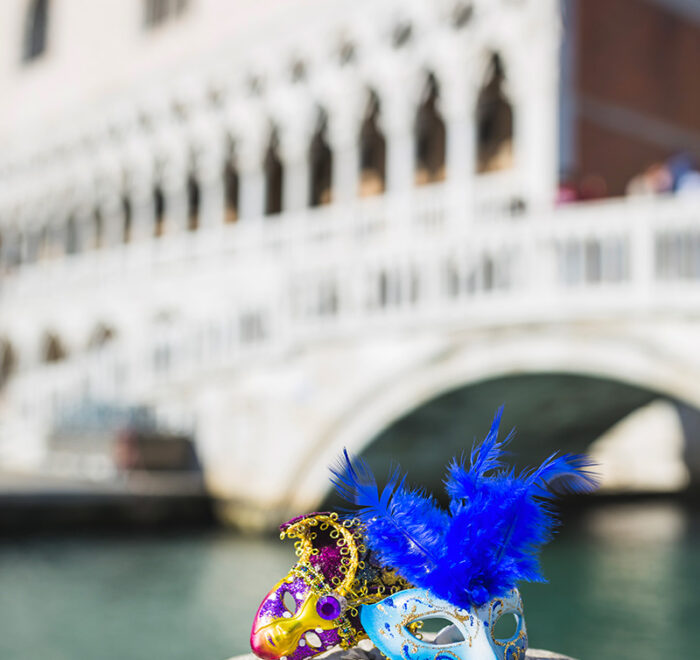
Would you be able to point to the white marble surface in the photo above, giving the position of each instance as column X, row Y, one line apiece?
column 353, row 654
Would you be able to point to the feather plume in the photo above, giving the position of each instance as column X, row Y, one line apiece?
column 559, row 475
column 404, row 526
column 490, row 538
column 484, row 458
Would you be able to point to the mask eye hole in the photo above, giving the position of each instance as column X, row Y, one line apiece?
column 435, row 630
column 329, row 607
column 313, row 640
column 506, row 627
column 289, row 602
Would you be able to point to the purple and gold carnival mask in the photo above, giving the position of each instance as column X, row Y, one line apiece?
column 334, row 575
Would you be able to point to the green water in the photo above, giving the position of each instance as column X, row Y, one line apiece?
column 624, row 583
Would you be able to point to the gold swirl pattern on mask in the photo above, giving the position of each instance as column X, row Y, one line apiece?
column 513, row 649
column 412, row 620
column 348, row 536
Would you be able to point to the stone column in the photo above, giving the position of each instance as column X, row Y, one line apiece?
column 174, row 186
column 294, row 152
column 457, row 105
column 343, row 137
column 83, row 216
column 250, row 153
column 458, row 102
column 112, row 210
column 534, row 84
column 295, row 134
column 210, row 176
column 140, row 194
column 398, row 114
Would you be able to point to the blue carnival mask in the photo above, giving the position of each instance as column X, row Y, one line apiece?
column 470, row 637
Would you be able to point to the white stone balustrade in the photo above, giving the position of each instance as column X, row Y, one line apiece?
column 258, row 290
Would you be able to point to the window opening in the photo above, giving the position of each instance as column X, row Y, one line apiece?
column 193, row 202
column 372, row 151
column 36, row 28
column 494, row 122
column 72, row 241
column 126, row 218
column 274, row 174
column 158, row 210
column 8, row 361
column 231, row 184
column 158, row 12
column 321, row 164
column 99, row 227
column 54, row 351
column 429, row 137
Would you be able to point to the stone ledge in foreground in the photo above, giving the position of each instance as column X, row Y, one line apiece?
column 362, row 654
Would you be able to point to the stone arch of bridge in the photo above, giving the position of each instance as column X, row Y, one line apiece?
column 630, row 363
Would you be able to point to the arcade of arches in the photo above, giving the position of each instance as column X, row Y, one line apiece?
column 493, row 131
column 494, row 151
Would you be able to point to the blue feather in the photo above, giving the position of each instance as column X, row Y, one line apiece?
column 490, row 539
column 484, row 458
column 558, row 475
column 487, row 456
column 404, row 526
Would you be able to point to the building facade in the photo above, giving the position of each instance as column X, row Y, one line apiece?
column 195, row 191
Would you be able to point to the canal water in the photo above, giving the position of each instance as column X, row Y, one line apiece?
column 624, row 583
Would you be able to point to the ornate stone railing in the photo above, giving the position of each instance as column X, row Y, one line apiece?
column 219, row 298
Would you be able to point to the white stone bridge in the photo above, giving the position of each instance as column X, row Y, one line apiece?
column 307, row 221
column 315, row 332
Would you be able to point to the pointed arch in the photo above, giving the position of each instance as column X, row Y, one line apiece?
column 35, row 29
column 193, row 200
column 44, row 243
column 274, row 175
column 72, row 245
column 53, row 349
column 430, row 137
column 8, row 361
column 159, row 209
column 101, row 335
column 372, row 150
column 126, row 217
column 494, row 119
column 231, row 183
column 98, row 222
column 320, row 164
column 12, row 249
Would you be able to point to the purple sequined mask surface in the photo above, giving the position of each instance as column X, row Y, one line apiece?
column 307, row 611
column 279, row 632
